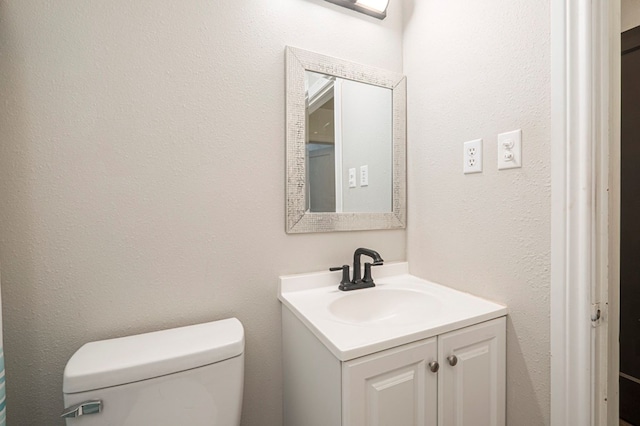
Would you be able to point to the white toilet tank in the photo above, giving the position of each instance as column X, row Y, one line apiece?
column 184, row 376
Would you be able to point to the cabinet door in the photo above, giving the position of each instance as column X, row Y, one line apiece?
column 391, row 388
column 472, row 385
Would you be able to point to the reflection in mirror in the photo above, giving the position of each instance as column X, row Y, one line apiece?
column 348, row 129
column 346, row 145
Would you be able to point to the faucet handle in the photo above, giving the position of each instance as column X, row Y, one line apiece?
column 345, row 274
column 367, row 271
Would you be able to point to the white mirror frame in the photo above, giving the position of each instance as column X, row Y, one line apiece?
column 298, row 219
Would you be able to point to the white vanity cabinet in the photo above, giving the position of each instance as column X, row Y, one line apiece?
column 471, row 380
column 397, row 387
column 393, row 387
column 407, row 352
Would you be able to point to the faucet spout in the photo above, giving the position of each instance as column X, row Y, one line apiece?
column 377, row 260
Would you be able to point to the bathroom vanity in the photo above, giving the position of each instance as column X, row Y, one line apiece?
column 405, row 352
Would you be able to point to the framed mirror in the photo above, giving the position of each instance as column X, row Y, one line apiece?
column 345, row 145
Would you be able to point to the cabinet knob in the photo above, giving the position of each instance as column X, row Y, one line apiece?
column 434, row 366
column 453, row 360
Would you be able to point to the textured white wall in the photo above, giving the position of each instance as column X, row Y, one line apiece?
column 476, row 69
column 630, row 15
column 142, row 176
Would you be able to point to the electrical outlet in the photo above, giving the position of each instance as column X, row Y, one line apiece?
column 472, row 156
column 352, row 177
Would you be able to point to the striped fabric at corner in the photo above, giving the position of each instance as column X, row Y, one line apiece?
column 3, row 400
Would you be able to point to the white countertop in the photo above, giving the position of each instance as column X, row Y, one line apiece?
column 308, row 297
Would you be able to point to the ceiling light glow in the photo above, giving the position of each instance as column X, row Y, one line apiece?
column 375, row 8
column 377, row 5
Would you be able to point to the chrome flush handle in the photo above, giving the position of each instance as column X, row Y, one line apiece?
column 93, row 406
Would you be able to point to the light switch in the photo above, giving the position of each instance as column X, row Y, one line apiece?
column 510, row 150
column 364, row 175
column 352, row 177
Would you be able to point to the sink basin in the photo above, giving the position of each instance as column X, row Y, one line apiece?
column 400, row 309
column 385, row 306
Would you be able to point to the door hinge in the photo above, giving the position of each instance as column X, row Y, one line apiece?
column 596, row 314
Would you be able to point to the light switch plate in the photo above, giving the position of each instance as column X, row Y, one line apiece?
column 510, row 150
column 364, row 175
column 472, row 157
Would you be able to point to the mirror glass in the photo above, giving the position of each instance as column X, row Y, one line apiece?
column 346, row 145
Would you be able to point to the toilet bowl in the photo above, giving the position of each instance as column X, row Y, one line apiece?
column 183, row 376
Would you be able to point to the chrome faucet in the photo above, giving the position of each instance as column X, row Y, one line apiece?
column 359, row 281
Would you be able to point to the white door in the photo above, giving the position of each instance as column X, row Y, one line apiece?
column 3, row 404
column 472, row 375
column 395, row 387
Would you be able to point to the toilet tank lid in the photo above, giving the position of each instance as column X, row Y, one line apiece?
column 130, row 359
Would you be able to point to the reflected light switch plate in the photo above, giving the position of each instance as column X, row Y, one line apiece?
column 364, row 175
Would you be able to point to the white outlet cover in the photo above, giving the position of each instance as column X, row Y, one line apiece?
column 352, row 177
column 510, row 150
column 472, row 157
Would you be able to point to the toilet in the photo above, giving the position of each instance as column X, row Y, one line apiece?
column 183, row 376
